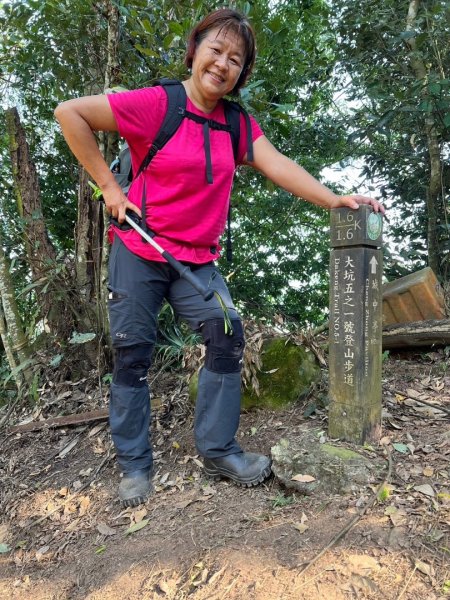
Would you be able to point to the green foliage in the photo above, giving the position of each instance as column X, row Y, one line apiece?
column 280, row 244
column 64, row 47
column 289, row 94
column 81, row 338
column 384, row 494
column 314, row 58
column 280, row 251
column 173, row 338
column 281, row 500
column 107, row 379
column 393, row 109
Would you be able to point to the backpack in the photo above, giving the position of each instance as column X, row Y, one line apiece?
column 176, row 112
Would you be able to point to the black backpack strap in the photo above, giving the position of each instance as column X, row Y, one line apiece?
column 233, row 112
column 232, row 117
column 176, row 104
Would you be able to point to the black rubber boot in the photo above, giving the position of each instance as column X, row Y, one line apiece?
column 135, row 488
column 244, row 468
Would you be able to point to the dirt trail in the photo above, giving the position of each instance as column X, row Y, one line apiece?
column 67, row 535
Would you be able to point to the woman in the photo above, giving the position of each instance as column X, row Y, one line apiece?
column 188, row 213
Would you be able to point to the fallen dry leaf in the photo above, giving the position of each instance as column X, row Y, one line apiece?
column 68, row 448
column 189, row 498
column 84, row 505
column 438, row 386
column 363, row 563
column 99, row 447
column 303, row 478
column 165, row 587
column 363, row 584
column 96, row 429
column 69, row 509
column 216, row 576
column 424, row 568
column 164, row 478
column 398, row 516
column 301, row 527
column 105, row 529
column 136, row 516
column 41, row 552
column 85, row 472
column 425, row 489
column 203, row 577
column 3, row 532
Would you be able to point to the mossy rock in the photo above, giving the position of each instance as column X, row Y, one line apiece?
column 193, row 387
column 287, row 373
column 288, row 370
column 332, row 469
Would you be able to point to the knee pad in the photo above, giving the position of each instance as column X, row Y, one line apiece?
column 223, row 352
column 131, row 364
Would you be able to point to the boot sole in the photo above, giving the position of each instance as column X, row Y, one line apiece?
column 217, row 474
column 133, row 502
column 140, row 496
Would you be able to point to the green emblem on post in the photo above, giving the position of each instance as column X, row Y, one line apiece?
column 374, row 226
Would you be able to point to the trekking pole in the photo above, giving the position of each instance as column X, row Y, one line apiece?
column 183, row 270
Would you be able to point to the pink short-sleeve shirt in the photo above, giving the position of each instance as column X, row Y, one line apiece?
column 187, row 214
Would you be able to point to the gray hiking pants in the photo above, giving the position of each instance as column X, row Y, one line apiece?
column 137, row 290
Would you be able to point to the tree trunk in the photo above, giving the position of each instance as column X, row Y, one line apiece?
column 434, row 150
column 88, row 253
column 110, row 143
column 418, row 333
column 91, row 231
column 41, row 256
column 13, row 337
column 18, row 377
column 112, row 74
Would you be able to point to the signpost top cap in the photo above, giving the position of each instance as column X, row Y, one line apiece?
column 361, row 227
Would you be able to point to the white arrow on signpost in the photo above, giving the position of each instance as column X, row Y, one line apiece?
column 373, row 263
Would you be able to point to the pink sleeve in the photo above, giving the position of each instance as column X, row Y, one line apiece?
column 139, row 115
column 256, row 133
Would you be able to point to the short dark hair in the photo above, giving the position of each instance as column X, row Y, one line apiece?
column 225, row 19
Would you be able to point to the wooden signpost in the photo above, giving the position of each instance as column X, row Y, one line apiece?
column 355, row 324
